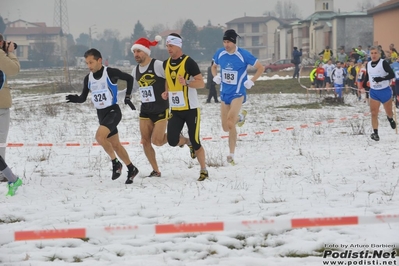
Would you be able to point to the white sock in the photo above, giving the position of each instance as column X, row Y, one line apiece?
column 240, row 117
column 231, row 155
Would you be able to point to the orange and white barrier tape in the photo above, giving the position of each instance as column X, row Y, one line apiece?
column 323, row 89
column 48, row 144
column 205, row 227
column 127, row 143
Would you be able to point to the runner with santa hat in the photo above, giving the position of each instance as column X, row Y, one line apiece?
column 149, row 80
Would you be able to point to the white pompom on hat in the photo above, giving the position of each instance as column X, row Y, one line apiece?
column 144, row 44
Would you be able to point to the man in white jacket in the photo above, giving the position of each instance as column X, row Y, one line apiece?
column 337, row 78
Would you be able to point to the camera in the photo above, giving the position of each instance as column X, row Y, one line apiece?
column 6, row 45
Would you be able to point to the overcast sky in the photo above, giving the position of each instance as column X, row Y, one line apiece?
column 122, row 15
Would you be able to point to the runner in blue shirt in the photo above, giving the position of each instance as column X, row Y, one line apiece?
column 233, row 79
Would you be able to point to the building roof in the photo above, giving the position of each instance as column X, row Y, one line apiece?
column 325, row 15
column 12, row 31
column 40, row 24
column 392, row 4
column 331, row 15
column 262, row 19
column 351, row 14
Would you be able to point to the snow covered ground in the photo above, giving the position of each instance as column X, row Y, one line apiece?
column 323, row 170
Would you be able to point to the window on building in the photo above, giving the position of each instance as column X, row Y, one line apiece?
column 20, row 52
column 240, row 42
column 255, row 52
column 326, row 6
column 255, row 41
column 255, row 27
column 240, row 28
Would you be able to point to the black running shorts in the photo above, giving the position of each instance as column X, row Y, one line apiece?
column 110, row 118
column 155, row 117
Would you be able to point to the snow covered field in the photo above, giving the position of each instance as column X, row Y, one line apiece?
column 323, row 170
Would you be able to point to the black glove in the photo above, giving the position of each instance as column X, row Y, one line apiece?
column 378, row 79
column 72, row 98
column 129, row 102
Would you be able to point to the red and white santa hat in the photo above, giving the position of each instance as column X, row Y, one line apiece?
column 144, row 44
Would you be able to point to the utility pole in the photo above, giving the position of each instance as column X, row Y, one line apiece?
column 61, row 20
column 90, row 35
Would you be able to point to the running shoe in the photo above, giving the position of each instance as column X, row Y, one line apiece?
column 155, row 174
column 131, row 175
column 13, row 186
column 375, row 137
column 230, row 160
column 203, row 175
column 116, row 170
column 241, row 122
column 392, row 122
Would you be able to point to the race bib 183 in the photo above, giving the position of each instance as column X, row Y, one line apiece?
column 229, row 77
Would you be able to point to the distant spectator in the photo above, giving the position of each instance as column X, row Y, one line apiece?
column 395, row 68
column 351, row 76
column 318, row 61
column 328, row 68
column 382, row 53
column 337, row 77
column 342, row 56
column 296, row 60
column 360, row 76
column 394, row 53
column 368, row 52
column 317, row 77
column 354, row 55
column 362, row 52
column 327, row 54
column 211, row 86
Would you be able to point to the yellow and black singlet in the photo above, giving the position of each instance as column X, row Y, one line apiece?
column 181, row 97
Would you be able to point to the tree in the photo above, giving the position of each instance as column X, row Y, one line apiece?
column 70, row 40
column 109, row 34
column 210, row 39
column 365, row 4
column 77, row 50
column 83, row 39
column 2, row 25
column 138, row 32
column 43, row 51
column 156, row 30
column 189, row 33
column 116, row 51
column 179, row 24
column 285, row 10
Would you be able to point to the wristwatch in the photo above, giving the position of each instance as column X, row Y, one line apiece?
column 187, row 82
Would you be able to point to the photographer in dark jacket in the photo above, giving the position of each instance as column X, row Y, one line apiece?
column 9, row 66
column 296, row 60
column 211, row 86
